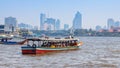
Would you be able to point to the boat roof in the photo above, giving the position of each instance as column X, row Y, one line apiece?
column 52, row 39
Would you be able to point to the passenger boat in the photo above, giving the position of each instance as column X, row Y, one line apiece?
column 45, row 45
column 7, row 42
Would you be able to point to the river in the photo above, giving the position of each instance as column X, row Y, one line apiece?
column 96, row 52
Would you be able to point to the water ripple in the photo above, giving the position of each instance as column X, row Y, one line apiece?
column 97, row 52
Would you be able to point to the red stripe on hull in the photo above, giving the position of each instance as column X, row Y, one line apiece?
column 28, row 51
column 36, row 51
column 44, row 51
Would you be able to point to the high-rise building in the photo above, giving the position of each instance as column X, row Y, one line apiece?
column 117, row 24
column 25, row 26
column 57, row 24
column 11, row 23
column 66, row 26
column 110, row 23
column 51, row 23
column 77, row 21
column 42, row 21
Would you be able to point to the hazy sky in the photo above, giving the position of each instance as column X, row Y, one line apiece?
column 94, row 12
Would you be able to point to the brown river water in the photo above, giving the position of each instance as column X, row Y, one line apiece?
column 96, row 52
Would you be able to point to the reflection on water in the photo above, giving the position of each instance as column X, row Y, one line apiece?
column 97, row 52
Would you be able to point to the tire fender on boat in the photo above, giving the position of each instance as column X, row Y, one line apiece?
column 34, row 45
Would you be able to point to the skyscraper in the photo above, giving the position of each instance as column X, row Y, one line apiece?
column 77, row 21
column 11, row 23
column 57, row 24
column 110, row 23
column 117, row 24
column 42, row 21
column 51, row 23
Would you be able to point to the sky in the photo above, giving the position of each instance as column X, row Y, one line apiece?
column 94, row 12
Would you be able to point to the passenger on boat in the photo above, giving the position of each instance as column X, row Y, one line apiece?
column 75, row 43
column 43, row 45
column 66, row 43
column 71, row 43
column 49, row 44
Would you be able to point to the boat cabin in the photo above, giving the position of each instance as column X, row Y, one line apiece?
column 45, row 45
column 52, row 43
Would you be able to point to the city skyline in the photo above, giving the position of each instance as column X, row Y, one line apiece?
column 93, row 12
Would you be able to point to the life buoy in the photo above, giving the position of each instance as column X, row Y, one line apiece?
column 34, row 45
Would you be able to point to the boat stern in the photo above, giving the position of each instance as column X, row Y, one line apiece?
column 28, row 50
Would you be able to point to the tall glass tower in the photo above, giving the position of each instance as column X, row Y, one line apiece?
column 77, row 21
column 57, row 25
column 42, row 21
column 110, row 23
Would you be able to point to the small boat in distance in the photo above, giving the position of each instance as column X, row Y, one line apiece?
column 45, row 45
column 6, row 41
